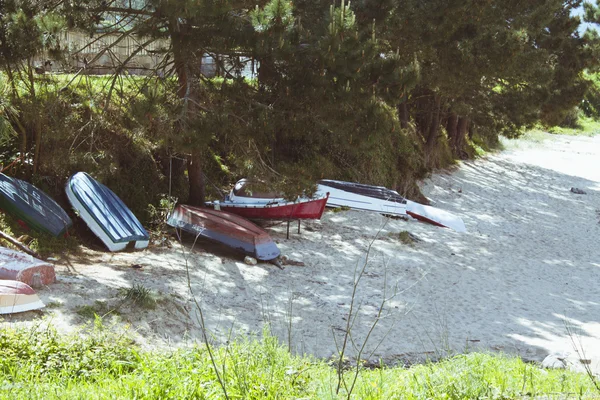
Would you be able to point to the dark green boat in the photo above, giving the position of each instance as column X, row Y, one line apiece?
column 32, row 207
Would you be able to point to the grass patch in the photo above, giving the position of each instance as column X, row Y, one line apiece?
column 536, row 135
column 39, row 363
column 404, row 237
column 54, row 304
column 586, row 127
column 340, row 209
column 141, row 296
column 98, row 309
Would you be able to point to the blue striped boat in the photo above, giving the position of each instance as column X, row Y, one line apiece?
column 105, row 214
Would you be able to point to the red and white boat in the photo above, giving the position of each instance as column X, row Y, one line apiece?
column 18, row 297
column 22, row 267
column 254, row 205
column 435, row 216
column 228, row 229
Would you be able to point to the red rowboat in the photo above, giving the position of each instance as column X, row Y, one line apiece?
column 225, row 228
column 18, row 297
column 22, row 267
column 284, row 210
column 269, row 205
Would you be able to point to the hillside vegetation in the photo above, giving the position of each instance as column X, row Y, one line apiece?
column 377, row 92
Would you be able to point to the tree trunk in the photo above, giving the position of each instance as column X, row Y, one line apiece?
column 452, row 127
column 403, row 111
column 185, row 92
column 434, row 122
column 196, row 180
column 38, row 143
column 461, row 135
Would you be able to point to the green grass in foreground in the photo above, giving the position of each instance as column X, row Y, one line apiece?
column 39, row 363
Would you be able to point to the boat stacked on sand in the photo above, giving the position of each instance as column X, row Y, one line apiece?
column 225, row 228
column 362, row 197
column 256, row 205
column 18, row 297
column 22, row 267
column 385, row 201
column 105, row 214
column 31, row 207
column 18, row 272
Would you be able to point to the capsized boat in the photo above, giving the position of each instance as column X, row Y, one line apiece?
column 32, row 207
column 105, row 214
column 358, row 196
column 256, row 205
column 435, row 216
column 379, row 199
column 225, row 228
column 22, row 267
column 18, row 297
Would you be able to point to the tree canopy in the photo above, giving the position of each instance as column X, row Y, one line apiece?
column 377, row 91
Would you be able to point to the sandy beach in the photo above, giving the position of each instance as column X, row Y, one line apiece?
column 524, row 279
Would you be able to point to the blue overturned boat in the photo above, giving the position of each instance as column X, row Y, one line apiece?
column 32, row 207
column 105, row 214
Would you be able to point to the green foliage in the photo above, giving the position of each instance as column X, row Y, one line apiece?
column 377, row 92
column 340, row 209
column 39, row 363
column 585, row 127
column 99, row 309
column 40, row 353
column 140, row 295
column 82, row 132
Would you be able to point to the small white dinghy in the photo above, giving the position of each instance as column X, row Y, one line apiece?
column 380, row 199
column 18, row 297
column 22, row 267
column 362, row 197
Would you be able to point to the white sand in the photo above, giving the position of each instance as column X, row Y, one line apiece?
column 526, row 273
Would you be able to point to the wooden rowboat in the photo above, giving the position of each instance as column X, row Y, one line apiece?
column 226, row 228
column 22, row 267
column 32, row 207
column 18, row 297
column 105, row 214
column 269, row 206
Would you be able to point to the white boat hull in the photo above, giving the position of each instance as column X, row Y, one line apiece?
column 435, row 216
column 18, row 297
column 342, row 198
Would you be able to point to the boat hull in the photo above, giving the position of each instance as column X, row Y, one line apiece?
column 105, row 213
column 18, row 297
column 435, row 216
column 276, row 210
column 22, row 267
column 362, row 197
column 226, row 228
column 32, row 207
